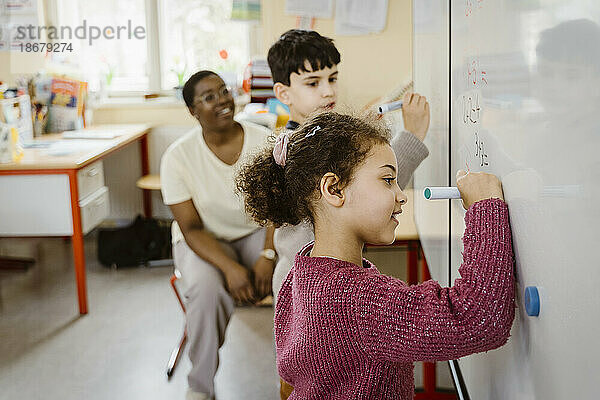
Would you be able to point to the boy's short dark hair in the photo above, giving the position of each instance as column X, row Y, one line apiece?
column 190, row 86
column 296, row 46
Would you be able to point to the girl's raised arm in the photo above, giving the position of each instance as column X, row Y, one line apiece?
column 426, row 322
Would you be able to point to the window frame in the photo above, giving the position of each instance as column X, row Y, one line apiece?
column 153, row 40
column 153, row 24
column 154, row 46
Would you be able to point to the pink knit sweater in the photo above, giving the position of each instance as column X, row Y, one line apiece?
column 345, row 331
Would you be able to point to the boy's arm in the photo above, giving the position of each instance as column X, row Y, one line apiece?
column 410, row 152
column 408, row 145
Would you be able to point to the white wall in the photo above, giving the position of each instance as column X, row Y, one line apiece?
column 372, row 65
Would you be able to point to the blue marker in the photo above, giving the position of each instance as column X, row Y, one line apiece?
column 441, row 193
column 387, row 107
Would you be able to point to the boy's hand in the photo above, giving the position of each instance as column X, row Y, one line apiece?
column 477, row 186
column 415, row 111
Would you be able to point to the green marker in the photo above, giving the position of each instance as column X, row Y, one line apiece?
column 441, row 193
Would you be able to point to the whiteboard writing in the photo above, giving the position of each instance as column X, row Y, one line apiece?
column 471, row 111
column 475, row 74
column 472, row 5
column 480, row 151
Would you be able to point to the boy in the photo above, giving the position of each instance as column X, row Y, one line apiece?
column 304, row 69
column 304, row 66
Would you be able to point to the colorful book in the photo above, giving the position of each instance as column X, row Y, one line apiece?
column 67, row 105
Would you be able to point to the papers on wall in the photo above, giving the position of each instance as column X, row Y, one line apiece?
column 310, row 8
column 15, row 14
column 4, row 37
column 13, row 36
column 18, row 7
column 245, row 10
column 356, row 17
column 304, row 22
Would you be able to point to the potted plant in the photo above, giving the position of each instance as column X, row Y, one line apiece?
column 179, row 71
column 106, row 78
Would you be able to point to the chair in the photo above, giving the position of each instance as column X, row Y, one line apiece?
column 176, row 353
column 147, row 183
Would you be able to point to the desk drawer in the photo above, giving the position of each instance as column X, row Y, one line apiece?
column 90, row 179
column 94, row 209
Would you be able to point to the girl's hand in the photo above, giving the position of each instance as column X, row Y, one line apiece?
column 477, row 186
column 415, row 112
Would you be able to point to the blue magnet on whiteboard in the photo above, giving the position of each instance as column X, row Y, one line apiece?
column 532, row 301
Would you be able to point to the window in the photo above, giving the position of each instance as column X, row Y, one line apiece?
column 120, row 63
column 180, row 37
column 198, row 34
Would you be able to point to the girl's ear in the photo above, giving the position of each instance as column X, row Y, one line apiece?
column 330, row 190
column 281, row 92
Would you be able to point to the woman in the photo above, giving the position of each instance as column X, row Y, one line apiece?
column 223, row 256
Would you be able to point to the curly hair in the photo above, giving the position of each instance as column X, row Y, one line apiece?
column 286, row 195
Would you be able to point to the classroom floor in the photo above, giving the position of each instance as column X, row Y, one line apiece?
column 120, row 349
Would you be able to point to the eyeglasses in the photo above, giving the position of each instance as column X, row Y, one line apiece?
column 212, row 98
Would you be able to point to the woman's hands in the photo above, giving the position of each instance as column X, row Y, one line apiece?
column 263, row 276
column 477, row 186
column 239, row 284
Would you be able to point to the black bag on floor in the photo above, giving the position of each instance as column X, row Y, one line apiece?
column 144, row 240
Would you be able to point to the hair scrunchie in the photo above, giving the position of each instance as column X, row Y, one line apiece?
column 280, row 149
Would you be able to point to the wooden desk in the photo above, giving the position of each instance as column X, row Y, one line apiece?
column 38, row 162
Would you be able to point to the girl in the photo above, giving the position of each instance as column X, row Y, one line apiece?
column 343, row 330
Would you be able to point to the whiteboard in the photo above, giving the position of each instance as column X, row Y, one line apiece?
column 518, row 96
